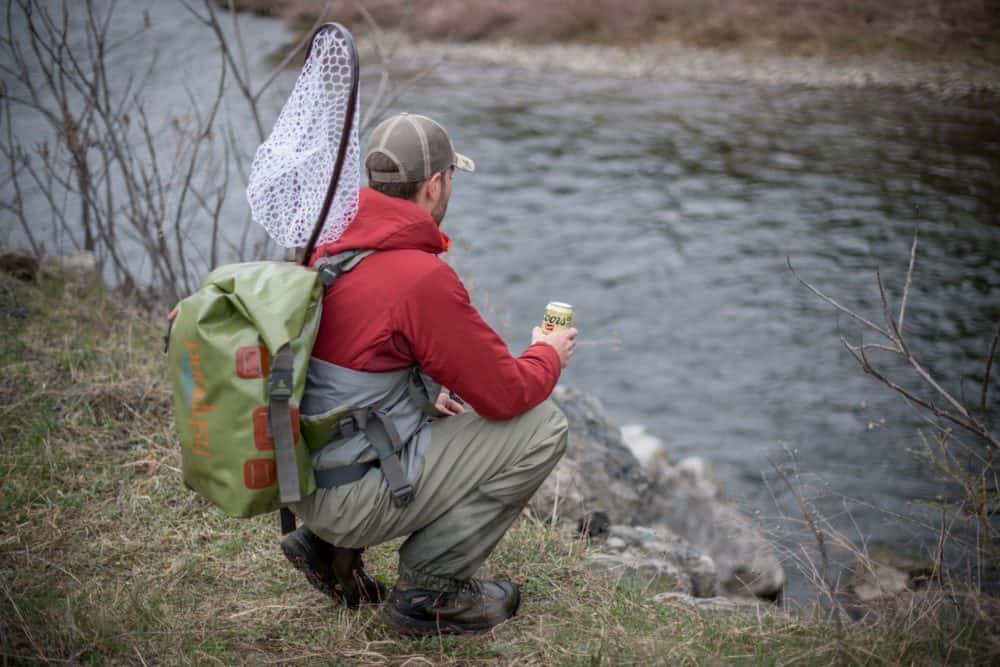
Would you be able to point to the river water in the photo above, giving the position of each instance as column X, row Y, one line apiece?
column 665, row 210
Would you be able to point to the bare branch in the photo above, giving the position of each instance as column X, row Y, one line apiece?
column 906, row 286
column 242, row 83
column 872, row 346
column 885, row 308
column 986, row 373
column 844, row 309
column 292, row 53
column 962, row 419
column 238, row 36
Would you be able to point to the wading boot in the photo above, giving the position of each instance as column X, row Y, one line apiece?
column 334, row 571
column 478, row 606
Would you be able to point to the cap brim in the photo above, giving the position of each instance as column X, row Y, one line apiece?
column 464, row 163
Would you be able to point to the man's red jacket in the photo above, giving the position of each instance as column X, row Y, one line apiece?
column 403, row 306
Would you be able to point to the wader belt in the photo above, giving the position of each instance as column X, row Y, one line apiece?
column 385, row 440
column 327, row 479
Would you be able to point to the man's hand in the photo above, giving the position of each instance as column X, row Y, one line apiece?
column 448, row 405
column 563, row 341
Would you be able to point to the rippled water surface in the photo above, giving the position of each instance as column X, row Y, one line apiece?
column 665, row 211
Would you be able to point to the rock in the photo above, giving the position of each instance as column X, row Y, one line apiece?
column 615, row 544
column 877, row 581
column 631, row 545
column 19, row 265
column 687, row 498
column 27, row 267
column 748, row 563
column 598, row 472
column 594, row 525
column 664, row 511
column 80, row 262
column 714, row 604
column 643, row 445
column 655, row 575
column 885, row 574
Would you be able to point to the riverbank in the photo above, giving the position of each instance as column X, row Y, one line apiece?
column 956, row 34
column 106, row 558
column 671, row 61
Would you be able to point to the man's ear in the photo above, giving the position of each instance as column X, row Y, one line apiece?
column 436, row 184
column 430, row 190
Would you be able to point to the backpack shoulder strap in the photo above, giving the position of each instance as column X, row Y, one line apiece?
column 330, row 268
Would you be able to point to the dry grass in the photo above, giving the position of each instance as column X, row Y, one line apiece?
column 920, row 30
column 105, row 558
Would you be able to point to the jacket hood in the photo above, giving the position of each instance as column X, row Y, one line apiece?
column 387, row 223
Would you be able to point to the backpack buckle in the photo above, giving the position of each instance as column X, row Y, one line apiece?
column 279, row 386
column 402, row 496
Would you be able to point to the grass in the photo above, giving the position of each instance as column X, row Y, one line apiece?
column 105, row 557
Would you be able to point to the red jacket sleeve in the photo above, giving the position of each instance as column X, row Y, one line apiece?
column 455, row 346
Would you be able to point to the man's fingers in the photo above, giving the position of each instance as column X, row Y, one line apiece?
column 448, row 405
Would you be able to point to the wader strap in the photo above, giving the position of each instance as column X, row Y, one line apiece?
column 327, row 479
column 385, row 439
column 418, row 394
column 287, row 520
column 279, row 417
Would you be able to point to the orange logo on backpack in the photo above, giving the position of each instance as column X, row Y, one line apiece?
column 195, row 382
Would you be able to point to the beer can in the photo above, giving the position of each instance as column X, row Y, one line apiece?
column 557, row 316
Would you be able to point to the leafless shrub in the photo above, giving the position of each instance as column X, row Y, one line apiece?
column 106, row 184
column 153, row 216
column 963, row 445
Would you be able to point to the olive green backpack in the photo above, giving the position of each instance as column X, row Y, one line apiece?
column 238, row 351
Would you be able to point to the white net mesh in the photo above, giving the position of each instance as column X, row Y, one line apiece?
column 291, row 171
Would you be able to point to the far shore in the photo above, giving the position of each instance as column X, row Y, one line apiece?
column 943, row 43
column 675, row 61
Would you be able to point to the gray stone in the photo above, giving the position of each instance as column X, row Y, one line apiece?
column 877, row 581
column 657, row 546
column 19, row 265
column 654, row 575
column 598, row 472
column 714, row 604
column 615, row 544
column 662, row 508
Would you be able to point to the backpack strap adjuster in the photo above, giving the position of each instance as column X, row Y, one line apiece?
column 279, row 418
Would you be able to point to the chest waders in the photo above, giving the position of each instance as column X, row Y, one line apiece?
column 354, row 421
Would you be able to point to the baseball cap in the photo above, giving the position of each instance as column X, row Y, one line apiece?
column 418, row 146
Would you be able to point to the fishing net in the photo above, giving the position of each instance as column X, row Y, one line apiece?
column 293, row 168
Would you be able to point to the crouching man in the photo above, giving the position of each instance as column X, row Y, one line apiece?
column 399, row 339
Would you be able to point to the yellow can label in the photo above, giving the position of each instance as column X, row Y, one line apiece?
column 557, row 316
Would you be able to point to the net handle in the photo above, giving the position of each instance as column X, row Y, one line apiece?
column 345, row 136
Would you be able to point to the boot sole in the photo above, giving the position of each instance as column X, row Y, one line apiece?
column 295, row 551
column 410, row 626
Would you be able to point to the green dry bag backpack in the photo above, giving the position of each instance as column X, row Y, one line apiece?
column 238, row 354
column 239, row 348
